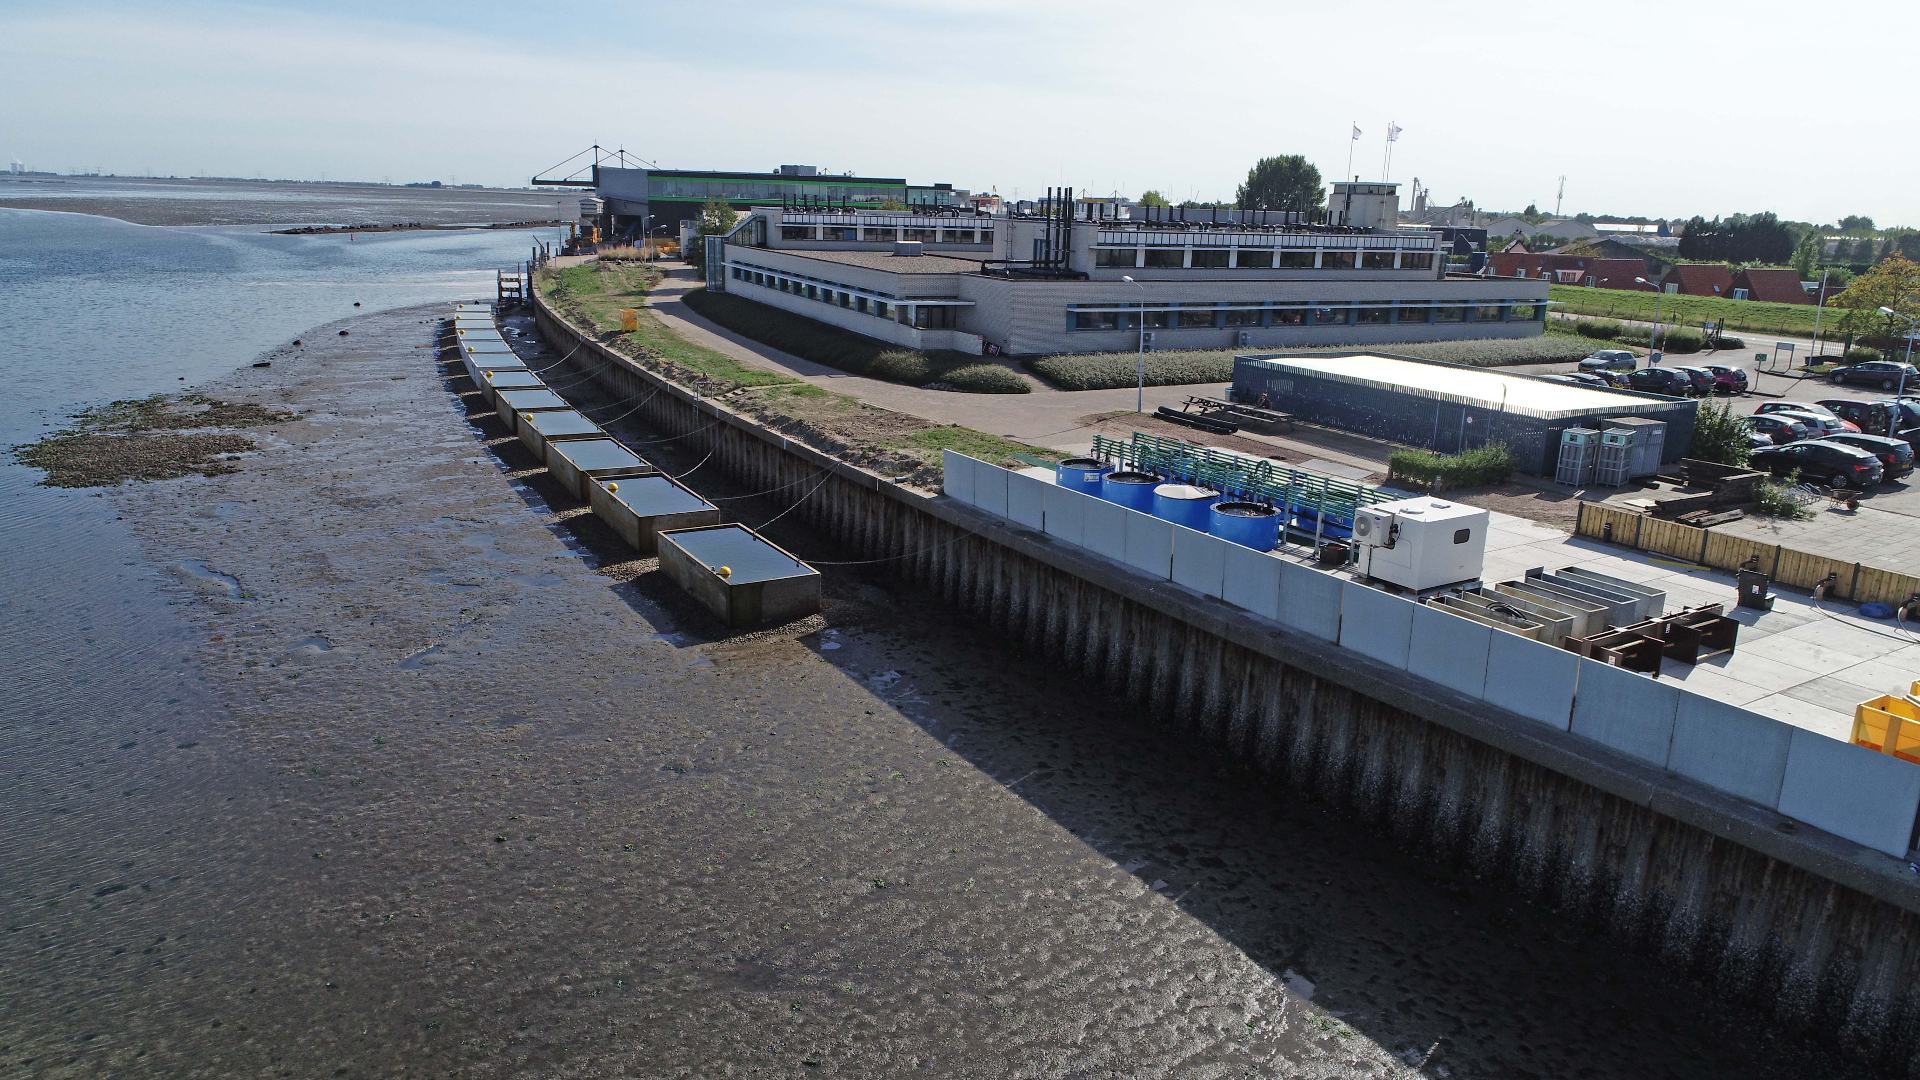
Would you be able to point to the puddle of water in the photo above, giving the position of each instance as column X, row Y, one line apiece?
column 200, row 574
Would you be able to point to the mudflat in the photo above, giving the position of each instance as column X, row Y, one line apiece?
column 154, row 201
column 472, row 793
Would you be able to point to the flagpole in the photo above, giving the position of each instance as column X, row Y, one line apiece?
column 1351, row 139
column 1386, row 155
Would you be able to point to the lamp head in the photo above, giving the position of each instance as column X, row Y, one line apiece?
column 1888, row 311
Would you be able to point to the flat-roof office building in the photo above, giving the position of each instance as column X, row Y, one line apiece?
column 671, row 196
column 1046, row 279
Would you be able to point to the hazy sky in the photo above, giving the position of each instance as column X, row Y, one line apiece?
column 1669, row 108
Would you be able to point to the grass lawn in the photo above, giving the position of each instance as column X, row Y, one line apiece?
column 1107, row 371
column 593, row 294
column 1794, row 320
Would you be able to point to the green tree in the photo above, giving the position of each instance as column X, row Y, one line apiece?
column 1719, row 435
column 893, row 204
column 1856, row 221
column 1806, row 254
column 1287, row 182
column 1150, row 197
column 1894, row 283
column 717, row 218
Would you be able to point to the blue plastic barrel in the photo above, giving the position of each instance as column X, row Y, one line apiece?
column 1081, row 474
column 1184, row 504
column 1133, row 490
column 1248, row 524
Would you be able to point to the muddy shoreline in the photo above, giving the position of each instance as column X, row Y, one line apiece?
column 473, row 792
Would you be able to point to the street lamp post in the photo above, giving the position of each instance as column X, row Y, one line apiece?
column 1653, row 339
column 1912, row 326
column 1140, row 393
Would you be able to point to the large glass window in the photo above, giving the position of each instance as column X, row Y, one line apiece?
column 1166, row 256
column 1211, row 258
column 935, row 318
column 872, row 235
column 1376, row 260
column 1190, row 320
column 1254, row 259
column 796, row 232
column 813, row 292
column 1449, row 314
column 1155, row 320
column 1487, row 313
column 846, row 300
column 1327, row 313
column 1243, row 315
column 860, row 304
column 1416, row 260
column 839, row 232
column 1115, row 257
column 1370, row 315
column 1416, row 314
column 1336, row 260
column 925, row 236
column 882, row 309
column 959, row 236
column 785, row 285
column 1289, row 316
column 1095, row 320
column 1296, row 260
column 1523, row 313
column 986, row 236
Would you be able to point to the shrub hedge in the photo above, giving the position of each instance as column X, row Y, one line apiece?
column 1488, row 464
column 1673, row 339
column 1605, row 331
column 848, row 351
column 1860, row 354
column 1109, row 371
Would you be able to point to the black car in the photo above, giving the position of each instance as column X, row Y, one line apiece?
column 1896, row 456
column 1821, row 462
column 1781, row 429
column 1660, row 380
column 1703, row 380
column 1885, row 374
column 1897, row 419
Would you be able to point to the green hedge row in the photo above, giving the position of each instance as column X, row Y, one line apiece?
column 1488, row 464
column 1108, row 371
column 857, row 353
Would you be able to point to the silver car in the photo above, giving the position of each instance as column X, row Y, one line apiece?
column 1609, row 360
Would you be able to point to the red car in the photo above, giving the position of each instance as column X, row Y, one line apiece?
column 1727, row 380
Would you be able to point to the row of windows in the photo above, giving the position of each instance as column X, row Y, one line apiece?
column 885, row 234
column 924, row 317
column 1257, row 259
column 1251, row 315
column 738, row 190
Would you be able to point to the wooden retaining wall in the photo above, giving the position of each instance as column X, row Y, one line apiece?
column 1853, row 581
column 1701, row 880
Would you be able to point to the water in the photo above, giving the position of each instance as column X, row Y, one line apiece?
column 97, row 310
column 747, row 557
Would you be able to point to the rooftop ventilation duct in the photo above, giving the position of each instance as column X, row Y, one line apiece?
column 908, row 248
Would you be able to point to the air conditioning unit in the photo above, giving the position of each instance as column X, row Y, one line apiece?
column 1422, row 543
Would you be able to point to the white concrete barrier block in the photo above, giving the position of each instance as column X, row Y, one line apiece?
column 1107, row 528
column 957, row 478
column 1375, row 624
column 1727, row 747
column 1850, row 791
column 1149, row 544
column 1626, row 710
column 1251, row 580
column 1309, row 601
column 1025, row 500
column 1450, row 650
column 1066, row 513
column 1199, row 560
column 1531, row 678
column 990, row 488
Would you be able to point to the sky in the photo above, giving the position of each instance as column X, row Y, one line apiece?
column 1662, row 109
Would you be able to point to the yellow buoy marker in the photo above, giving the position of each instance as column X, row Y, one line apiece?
column 725, row 571
column 613, row 487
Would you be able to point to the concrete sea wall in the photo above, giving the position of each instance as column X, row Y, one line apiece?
column 1820, row 929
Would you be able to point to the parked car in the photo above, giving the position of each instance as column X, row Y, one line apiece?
column 1703, row 380
column 1820, row 424
column 1660, row 380
column 1609, row 360
column 1814, row 407
column 1896, row 455
column 1583, row 378
column 1780, row 429
column 1728, row 380
column 1885, row 374
column 1871, row 417
column 1821, row 462
column 1755, row 440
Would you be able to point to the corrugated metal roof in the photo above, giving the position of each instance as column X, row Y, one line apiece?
column 1473, row 387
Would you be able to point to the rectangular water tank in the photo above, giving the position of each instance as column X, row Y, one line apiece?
column 740, row 576
column 639, row 508
column 577, row 463
column 539, row 430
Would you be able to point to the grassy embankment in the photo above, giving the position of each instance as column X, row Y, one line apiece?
column 856, row 353
column 1792, row 320
column 1107, row 371
column 893, row 444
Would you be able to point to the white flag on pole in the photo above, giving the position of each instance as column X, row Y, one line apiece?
column 1356, row 133
column 1393, row 132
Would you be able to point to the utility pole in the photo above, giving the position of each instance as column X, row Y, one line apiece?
column 1560, row 198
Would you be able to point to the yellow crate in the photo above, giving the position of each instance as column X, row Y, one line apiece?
column 1889, row 725
column 629, row 319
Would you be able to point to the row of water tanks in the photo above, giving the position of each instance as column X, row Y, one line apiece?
column 1250, row 524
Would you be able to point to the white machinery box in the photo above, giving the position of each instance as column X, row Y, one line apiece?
column 1422, row 543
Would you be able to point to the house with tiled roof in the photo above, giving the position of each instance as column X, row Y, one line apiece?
column 1773, row 286
column 1568, row 269
column 1699, row 279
